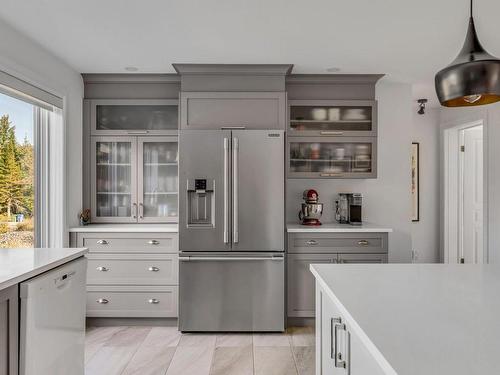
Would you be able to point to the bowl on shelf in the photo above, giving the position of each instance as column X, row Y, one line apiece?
column 319, row 114
column 355, row 114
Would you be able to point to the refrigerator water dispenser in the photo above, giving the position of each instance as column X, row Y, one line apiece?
column 200, row 204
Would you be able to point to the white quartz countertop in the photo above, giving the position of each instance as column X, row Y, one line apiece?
column 127, row 228
column 421, row 319
column 337, row 228
column 17, row 265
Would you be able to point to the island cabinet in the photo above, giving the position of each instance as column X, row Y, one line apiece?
column 9, row 310
column 339, row 350
column 313, row 248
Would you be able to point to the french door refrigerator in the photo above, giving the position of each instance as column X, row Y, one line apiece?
column 231, row 230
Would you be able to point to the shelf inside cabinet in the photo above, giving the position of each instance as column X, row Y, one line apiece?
column 162, row 193
column 331, row 121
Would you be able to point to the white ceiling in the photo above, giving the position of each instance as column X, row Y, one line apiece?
column 408, row 40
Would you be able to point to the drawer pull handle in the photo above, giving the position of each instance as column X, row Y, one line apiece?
column 312, row 242
column 153, row 269
column 154, row 301
column 153, row 242
column 102, row 242
column 102, row 301
column 102, row 269
column 363, row 243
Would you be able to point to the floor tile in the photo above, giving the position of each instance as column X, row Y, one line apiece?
column 302, row 336
column 232, row 361
column 96, row 337
column 109, row 360
column 304, row 359
column 130, row 336
column 231, row 340
column 198, row 339
column 191, row 360
column 274, row 361
column 271, row 339
column 163, row 335
column 150, row 360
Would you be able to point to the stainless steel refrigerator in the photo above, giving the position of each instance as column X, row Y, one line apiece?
column 231, row 230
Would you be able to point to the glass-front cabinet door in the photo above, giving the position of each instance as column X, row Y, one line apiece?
column 114, row 180
column 350, row 118
column 157, row 179
column 134, row 117
column 332, row 157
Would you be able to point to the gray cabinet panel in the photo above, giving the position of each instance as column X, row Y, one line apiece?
column 337, row 243
column 362, row 258
column 301, row 282
column 252, row 110
column 9, row 326
column 129, row 242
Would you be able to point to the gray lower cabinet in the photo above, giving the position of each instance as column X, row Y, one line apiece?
column 305, row 249
column 131, row 275
column 9, row 326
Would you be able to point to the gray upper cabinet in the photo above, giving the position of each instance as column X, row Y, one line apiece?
column 133, row 117
column 9, row 328
column 216, row 110
column 349, row 118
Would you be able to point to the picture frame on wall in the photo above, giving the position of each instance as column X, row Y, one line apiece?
column 415, row 181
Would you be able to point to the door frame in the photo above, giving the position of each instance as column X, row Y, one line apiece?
column 451, row 190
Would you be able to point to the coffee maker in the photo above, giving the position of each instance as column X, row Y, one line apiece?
column 311, row 210
column 348, row 208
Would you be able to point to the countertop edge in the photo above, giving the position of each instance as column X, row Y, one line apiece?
column 46, row 267
column 370, row 346
column 171, row 228
column 337, row 228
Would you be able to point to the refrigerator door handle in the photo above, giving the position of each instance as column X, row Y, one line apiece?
column 226, row 190
column 235, row 190
column 232, row 259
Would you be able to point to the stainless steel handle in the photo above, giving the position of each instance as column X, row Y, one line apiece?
column 331, row 174
column 154, row 301
column 232, row 127
column 363, row 243
column 333, row 323
column 235, row 190
column 153, row 269
column 340, row 358
column 134, row 210
column 235, row 258
column 226, row 190
column 102, row 301
column 138, row 132
column 102, row 269
column 312, row 242
column 102, row 242
column 141, row 211
column 153, row 242
column 331, row 133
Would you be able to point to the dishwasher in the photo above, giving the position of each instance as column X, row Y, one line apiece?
column 52, row 334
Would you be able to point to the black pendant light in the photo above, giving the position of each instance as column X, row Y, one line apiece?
column 473, row 78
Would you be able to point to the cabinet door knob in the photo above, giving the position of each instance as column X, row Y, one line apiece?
column 102, row 301
column 154, row 301
column 153, row 242
column 363, row 243
column 102, row 269
column 102, row 242
column 153, row 269
column 312, row 242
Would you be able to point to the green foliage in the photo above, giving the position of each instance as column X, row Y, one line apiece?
column 4, row 228
column 16, row 172
column 25, row 226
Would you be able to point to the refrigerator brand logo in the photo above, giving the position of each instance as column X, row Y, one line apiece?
column 273, row 135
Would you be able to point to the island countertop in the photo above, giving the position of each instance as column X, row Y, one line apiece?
column 420, row 319
column 18, row 265
column 337, row 228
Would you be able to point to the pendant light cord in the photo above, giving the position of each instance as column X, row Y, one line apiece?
column 470, row 8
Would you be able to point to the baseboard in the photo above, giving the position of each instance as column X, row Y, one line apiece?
column 301, row 322
column 107, row 322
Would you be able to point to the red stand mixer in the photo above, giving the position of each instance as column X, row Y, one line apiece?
column 311, row 210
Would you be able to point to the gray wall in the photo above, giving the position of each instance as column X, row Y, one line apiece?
column 387, row 198
column 425, row 233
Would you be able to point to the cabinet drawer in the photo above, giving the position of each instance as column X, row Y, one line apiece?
column 129, row 243
column 132, row 302
column 135, row 269
column 337, row 242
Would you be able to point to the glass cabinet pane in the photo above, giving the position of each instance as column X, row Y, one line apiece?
column 113, row 179
column 332, row 118
column 136, row 117
column 330, row 157
column 159, row 180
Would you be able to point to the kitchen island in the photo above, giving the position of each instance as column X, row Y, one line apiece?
column 20, row 265
column 407, row 319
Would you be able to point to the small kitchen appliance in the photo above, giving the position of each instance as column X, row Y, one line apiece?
column 348, row 208
column 311, row 210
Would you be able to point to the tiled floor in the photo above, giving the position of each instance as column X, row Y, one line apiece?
column 165, row 351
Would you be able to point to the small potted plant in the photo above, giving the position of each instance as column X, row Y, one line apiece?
column 84, row 217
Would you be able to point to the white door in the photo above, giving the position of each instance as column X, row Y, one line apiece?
column 472, row 195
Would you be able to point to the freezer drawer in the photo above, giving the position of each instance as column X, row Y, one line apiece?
column 240, row 292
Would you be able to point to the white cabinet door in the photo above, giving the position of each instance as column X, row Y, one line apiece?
column 361, row 362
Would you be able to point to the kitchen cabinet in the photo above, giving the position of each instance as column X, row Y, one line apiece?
column 362, row 258
column 332, row 118
column 134, row 179
column 332, row 157
column 216, row 110
column 133, row 117
column 9, row 328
